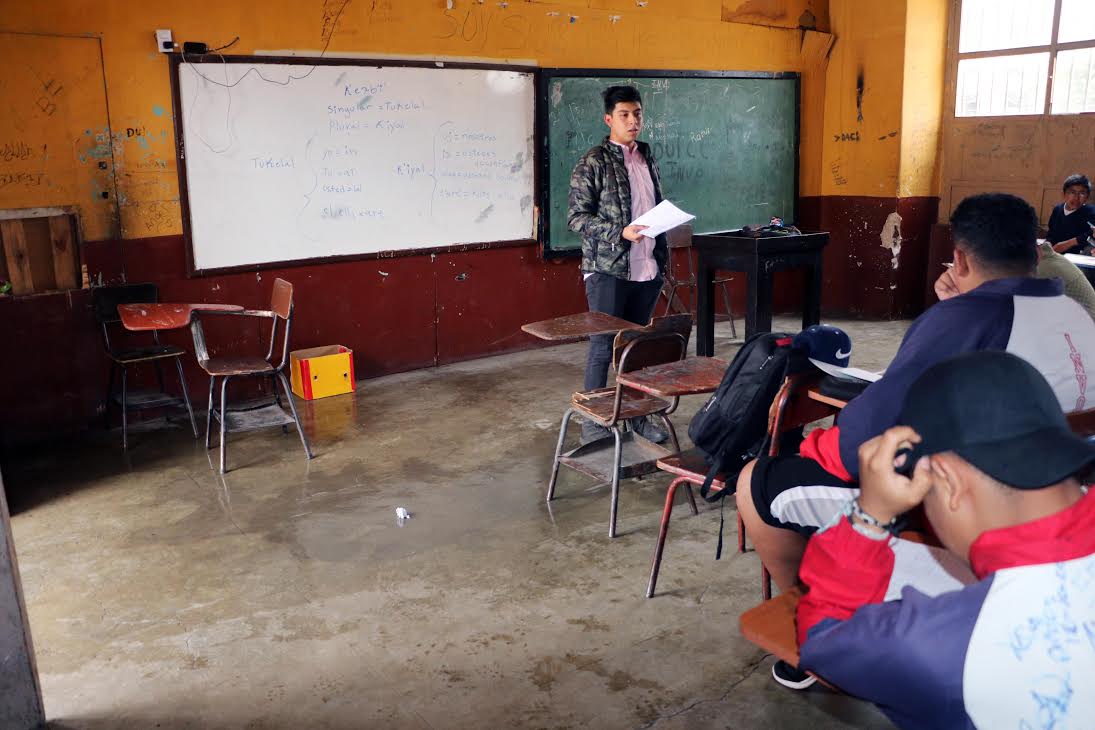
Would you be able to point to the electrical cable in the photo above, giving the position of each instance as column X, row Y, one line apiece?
column 229, row 85
column 291, row 78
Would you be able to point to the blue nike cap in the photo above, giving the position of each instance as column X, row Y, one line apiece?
column 825, row 344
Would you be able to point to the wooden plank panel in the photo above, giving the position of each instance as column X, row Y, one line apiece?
column 40, row 250
column 66, row 255
column 3, row 261
column 18, row 259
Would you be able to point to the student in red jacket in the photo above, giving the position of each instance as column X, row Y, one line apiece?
column 994, row 303
column 995, row 465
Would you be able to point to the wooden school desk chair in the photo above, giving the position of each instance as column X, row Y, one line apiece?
column 125, row 355
column 681, row 238
column 613, row 407
column 791, row 410
column 265, row 366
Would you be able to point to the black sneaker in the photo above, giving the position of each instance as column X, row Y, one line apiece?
column 791, row 677
column 593, row 432
column 645, row 427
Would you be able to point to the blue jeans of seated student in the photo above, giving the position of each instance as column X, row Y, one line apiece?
column 630, row 300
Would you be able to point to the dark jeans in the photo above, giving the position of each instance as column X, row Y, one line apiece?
column 630, row 300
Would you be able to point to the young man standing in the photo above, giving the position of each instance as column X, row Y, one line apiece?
column 613, row 184
column 1069, row 223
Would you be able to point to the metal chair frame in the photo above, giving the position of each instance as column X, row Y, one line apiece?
column 105, row 301
column 632, row 352
column 279, row 310
column 681, row 238
column 791, row 408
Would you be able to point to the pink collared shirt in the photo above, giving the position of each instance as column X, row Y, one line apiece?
column 643, row 265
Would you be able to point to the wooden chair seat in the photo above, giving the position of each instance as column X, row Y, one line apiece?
column 692, row 466
column 219, row 366
column 599, row 405
column 771, row 626
column 144, row 354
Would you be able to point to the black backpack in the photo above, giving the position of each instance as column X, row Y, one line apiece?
column 732, row 427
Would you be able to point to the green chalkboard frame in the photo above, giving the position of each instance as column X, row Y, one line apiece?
column 547, row 75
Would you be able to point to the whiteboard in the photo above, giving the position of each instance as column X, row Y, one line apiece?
column 284, row 162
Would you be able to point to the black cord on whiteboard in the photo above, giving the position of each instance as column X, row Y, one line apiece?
column 229, row 85
column 227, row 117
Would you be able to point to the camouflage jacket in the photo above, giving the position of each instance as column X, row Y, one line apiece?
column 599, row 208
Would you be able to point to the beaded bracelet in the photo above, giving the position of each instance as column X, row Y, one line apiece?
column 858, row 513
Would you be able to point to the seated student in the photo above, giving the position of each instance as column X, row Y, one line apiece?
column 1052, row 265
column 990, row 302
column 997, row 478
column 1068, row 223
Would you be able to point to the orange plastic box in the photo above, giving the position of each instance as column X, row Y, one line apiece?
column 322, row 371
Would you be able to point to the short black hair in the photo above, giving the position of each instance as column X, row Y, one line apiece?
column 613, row 95
column 1000, row 231
column 1077, row 180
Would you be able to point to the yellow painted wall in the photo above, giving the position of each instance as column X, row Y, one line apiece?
column 662, row 34
column 863, row 88
column 884, row 98
column 781, row 13
column 922, row 98
column 55, row 147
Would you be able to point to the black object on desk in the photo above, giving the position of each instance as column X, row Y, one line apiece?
column 758, row 258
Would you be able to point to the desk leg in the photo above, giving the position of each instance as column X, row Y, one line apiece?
column 705, row 310
column 811, row 300
column 758, row 304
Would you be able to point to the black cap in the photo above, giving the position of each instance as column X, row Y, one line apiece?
column 997, row 412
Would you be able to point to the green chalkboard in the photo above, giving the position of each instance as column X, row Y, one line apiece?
column 727, row 145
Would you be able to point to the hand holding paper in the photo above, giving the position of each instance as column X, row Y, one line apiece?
column 661, row 218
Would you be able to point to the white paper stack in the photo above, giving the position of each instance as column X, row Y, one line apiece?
column 661, row 218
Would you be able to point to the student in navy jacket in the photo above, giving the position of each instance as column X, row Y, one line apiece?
column 994, row 464
column 1070, row 222
column 990, row 302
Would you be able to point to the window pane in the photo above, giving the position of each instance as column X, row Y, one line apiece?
column 1074, row 82
column 991, row 25
column 989, row 87
column 1077, row 21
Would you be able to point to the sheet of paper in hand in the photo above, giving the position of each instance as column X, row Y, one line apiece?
column 661, row 218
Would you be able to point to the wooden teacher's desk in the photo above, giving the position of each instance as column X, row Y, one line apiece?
column 759, row 259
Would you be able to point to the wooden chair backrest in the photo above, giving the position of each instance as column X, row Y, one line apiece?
column 792, row 408
column 652, row 348
column 680, row 324
column 679, row 237
column 1082, row 423
column 281, row 299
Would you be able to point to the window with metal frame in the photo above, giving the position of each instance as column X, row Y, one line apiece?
column 1025, row 57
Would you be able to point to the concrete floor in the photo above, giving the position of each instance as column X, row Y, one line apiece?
column 285, row 595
